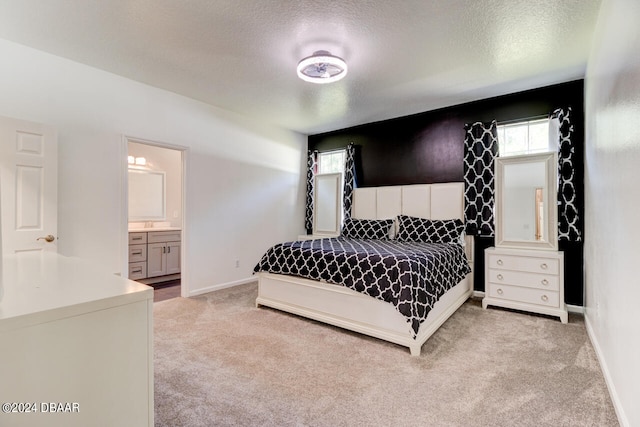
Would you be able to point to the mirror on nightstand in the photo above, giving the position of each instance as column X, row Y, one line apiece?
column 526, row 201
column 327, row 206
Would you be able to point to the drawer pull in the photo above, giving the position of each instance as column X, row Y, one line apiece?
column 500, row 277
column 136, row 252
column 544, row 266
column 499, row 291
column 139, row 270
column 545, row 282
column 499, row 262
column 544, row 298
column 136, row 238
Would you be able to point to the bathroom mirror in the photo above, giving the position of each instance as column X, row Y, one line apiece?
column 526, row 205
column 327, row 204
column 147, row 197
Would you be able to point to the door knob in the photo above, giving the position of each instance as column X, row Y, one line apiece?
column 49, row 238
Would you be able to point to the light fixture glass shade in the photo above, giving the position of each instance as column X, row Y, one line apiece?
column 322, row 67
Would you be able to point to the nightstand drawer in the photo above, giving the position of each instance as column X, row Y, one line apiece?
column 137, row 253
column 526, row 295
column 524, row 263
column 529, row 280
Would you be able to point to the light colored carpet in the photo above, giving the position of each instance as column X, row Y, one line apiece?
column 219, row 361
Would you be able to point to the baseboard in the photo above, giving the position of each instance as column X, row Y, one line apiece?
column 478, row 294
column 575, row 309
column 221, row 286
column 622, row 418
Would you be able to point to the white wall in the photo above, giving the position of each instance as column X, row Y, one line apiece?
column 612, row 177
column 245, row 189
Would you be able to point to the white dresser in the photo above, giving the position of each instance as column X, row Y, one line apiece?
column 74, row 340
column 528, row 280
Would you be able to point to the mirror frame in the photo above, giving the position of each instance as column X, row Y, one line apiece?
column 327, row 216
column 550, row 234
column 156, row 197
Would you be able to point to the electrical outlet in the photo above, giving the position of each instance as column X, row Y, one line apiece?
column 237, row 263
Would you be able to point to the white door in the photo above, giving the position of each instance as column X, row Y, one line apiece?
column 28, row 186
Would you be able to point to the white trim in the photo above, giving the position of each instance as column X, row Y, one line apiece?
column 124, row 214
column 575, row 309
column 184, row 249
column 617, row 405
column 221, row 286
column 478, row 294
column 333, row 150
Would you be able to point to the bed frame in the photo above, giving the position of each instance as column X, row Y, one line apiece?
column 340, row 306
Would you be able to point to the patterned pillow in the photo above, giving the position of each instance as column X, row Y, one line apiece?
column 367, row 228
column 412, row 229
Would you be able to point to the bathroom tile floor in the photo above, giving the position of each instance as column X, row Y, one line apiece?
column 166, row 290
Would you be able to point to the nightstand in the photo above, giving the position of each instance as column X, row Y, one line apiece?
column 527, row 280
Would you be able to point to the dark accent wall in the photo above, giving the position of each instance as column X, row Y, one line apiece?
column 428, row 148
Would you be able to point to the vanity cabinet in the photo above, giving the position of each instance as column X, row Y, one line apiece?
column 163, row 253
column 154, row 254
column 525, row 280
column 137, row 256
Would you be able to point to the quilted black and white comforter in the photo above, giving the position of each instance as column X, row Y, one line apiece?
column 411, row 276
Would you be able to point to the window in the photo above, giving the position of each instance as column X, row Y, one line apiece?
column 526, row 137
column 331, row 161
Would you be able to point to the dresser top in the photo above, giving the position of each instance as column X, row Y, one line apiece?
column 540, row 253
column 39, row 287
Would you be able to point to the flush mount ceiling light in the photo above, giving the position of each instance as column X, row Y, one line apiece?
column 322, row 67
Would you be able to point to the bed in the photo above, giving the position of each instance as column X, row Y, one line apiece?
column 341, row 306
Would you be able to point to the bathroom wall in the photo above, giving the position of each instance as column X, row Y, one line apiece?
column 170, row 162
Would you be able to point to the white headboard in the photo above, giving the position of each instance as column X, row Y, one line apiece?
column 431, row 201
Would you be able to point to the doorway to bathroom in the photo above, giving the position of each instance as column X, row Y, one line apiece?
column 155, row 216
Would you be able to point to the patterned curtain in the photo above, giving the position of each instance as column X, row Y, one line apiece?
column 480, row 152
column 568, row 216
column 349, row 181
column 312, row 168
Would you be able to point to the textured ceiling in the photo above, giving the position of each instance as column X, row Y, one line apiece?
column 404, row 56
